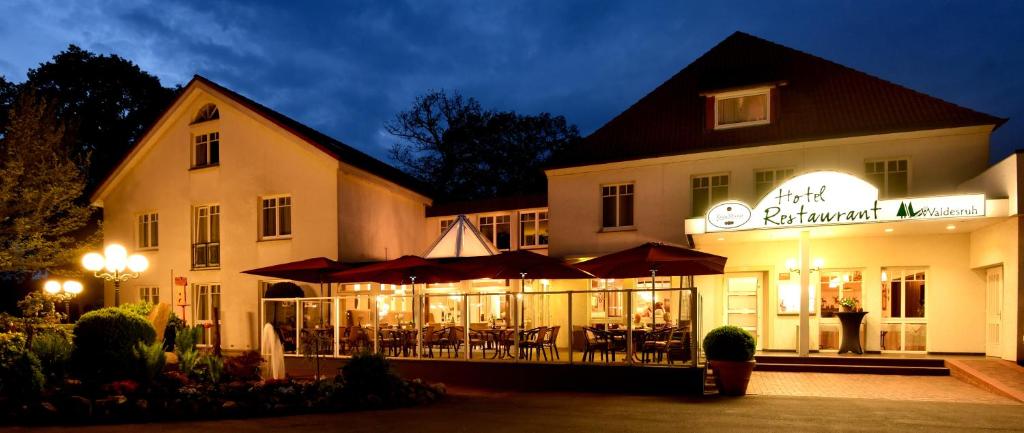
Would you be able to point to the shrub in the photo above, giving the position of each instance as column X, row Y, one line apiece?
column 368, row 373
column 53, row 349
column 151, row 360
column 141, row 308
column 244, row 367
column 729, row 343
column 21, row 375
column 214, row 367
column 105, row 342
column 187, row 361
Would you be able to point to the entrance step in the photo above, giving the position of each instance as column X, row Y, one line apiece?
column 853, row 365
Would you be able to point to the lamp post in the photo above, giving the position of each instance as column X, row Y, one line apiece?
column 63, row 292
column 112, row 264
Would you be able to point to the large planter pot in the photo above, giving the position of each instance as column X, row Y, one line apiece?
column 732, row 377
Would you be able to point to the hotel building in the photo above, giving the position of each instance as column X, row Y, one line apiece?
column 816, row 181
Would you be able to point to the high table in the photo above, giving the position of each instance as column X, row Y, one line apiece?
column 850, row 321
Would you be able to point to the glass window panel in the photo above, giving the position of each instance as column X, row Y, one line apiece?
column 504, row 232
column 897, row 185
column 916, row 336
column 154, row 232
column 608, row 211
column 285, row 218
column 626, row 210
column 542, row 229
column 915, row 299
column 891, row 336
column 214, row 148
column 200, row 153
column 750, row 108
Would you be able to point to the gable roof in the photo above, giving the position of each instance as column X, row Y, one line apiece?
column 816, row 99
column 325, row 143
column 461, row 239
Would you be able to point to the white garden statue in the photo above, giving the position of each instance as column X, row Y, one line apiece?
column 273, row 354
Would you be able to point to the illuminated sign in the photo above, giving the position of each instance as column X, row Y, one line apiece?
column 833, row 198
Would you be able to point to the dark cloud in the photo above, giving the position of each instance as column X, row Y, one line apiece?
column 346, row 67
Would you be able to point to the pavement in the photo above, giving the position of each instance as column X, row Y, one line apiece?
column 468, row 410
column 873, row 386
column 999, row 376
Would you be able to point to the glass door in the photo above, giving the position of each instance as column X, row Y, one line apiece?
column 993, row 310
column 836, row 285
column 742, row 294
column 904, row 324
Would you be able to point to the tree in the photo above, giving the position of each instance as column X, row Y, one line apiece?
column 465, row 152
column 106, row 102
column 43, row 223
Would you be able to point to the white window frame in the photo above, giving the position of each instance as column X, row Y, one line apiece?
column 204, row 294
column 210, row 136
column 618, row 226
column 147, row 228
column 536, row 229
column 211, row 209
column 278, row 207
column 711, row 200
column 444, row 223
column 883, row 190
column 786, row 172
column 494, row 230
column 149, row 294
column 766, row 91
column 903, row 320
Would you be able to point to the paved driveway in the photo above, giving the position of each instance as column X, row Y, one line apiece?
column 872, row 386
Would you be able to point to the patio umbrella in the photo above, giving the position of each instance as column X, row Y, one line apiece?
column 651, row 259
column 517, row 264
column 314, row 270
column 411, row 269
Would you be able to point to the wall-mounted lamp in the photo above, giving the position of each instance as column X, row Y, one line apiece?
column 793, row 267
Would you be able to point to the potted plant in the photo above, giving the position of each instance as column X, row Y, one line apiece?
column 730, row 353
column 848, row 304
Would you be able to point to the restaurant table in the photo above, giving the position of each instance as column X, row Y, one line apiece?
column 639, row 336
column 850, row 321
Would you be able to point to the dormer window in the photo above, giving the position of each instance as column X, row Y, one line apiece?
column 207, row 113
column 742, row 108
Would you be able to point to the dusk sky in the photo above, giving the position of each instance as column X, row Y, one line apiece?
column 346, row 67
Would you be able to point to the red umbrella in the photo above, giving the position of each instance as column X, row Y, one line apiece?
column 314, row 270
column 517, row 264
column 654, row 258
column 403, row 270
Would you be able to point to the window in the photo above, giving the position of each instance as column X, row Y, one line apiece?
column 889, row 176
column 836, row 285
column 708, row 190
column 498, row 230
column 533, row 229
column 276, row 217
column 207, row 113
column 745, row 108
column 766, row 180
column 445, row 223
column 206, row 150
column 206, row 237
column 149, row 295
column 148, row 234
column 617, row 205
column 207, row 298
column 605, row 299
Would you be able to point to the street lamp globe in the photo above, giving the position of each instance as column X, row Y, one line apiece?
column 116, row 258
column 93, row 262
column 52, row 287
column 137, row 263
column 73, row 287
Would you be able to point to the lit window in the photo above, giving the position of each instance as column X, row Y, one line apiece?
column 148, row 233
column 890, row 176
column 533, row 229
column 207, row 298
column 498, row 230
column 206, row 150
column 708, row 190
column 766, row 180
column 150, row 295
column 276, row 217
column 206, row 237
column 617, row 205
column 746, row 108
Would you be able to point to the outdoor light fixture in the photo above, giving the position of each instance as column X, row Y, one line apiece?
column 112, row 266
column 793, row 267
column 63, row 292
column 951, row 227
column 889, row 230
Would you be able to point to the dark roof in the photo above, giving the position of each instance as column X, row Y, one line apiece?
column 488, row 205
column 817, row 99
column 331, row 146
column 339, row 150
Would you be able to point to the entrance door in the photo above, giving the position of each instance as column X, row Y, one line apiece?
column 993, row 309
column 904, row 322
column 742, row 295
